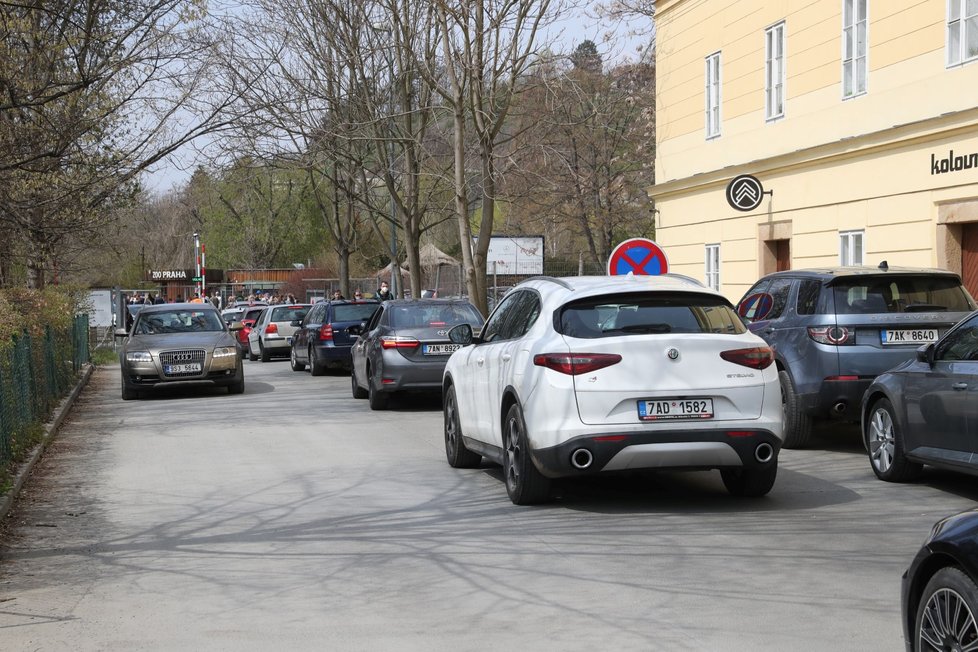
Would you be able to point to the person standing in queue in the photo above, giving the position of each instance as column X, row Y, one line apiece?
column 384, row 292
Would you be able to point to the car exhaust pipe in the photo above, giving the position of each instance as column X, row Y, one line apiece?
column 764, row 453
column 840, row 407
column 581, row 458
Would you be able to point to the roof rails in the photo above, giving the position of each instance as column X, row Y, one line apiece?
column 683, row 277
column 559, row 281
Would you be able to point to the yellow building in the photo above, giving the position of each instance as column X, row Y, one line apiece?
column 859, row 116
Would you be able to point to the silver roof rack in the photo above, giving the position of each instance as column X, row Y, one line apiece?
column 559, row 281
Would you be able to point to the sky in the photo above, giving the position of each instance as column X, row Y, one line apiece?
column 615, row 42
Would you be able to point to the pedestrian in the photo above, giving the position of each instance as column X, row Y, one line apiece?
column 338, row 296
column 384, row 292
column 216, row 300
column 357, row 295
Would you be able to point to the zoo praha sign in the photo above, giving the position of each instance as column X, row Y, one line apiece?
column 952, row 163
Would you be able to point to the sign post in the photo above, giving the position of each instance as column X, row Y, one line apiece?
column 639, row 256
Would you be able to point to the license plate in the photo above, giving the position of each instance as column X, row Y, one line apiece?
column 440, row 349
column 675, row 408
column 909, row 336
column 193, row 367
column 288, row 340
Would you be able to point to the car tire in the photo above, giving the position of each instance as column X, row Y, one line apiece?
column 525, row 485
column 296, row 365
column 378, row 400
column 750, row 483
column 129, row 393
column 237, row 387
column 459, row 457
column 884, row 441
column 315, row 368
column 251, row 354
column 265, row 354
column 950, row 595
column 797, row 424
column 358, row 392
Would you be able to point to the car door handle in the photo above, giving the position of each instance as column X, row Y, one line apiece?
column 480, row 361
column 507, row 357
column 959, row 386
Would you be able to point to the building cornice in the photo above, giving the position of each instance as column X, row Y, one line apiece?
column 920, row 131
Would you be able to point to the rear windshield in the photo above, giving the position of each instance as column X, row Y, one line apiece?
column 893, row 294
column 420, row 315
column 354, row 311
column 649, row 313
column 252, row 313
column 288, row 313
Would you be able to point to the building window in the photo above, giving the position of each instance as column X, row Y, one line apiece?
column 774, row 71
column 962, row 31
column 713, row 95
column 854, row 46
column 713, row 266
column 851, row 248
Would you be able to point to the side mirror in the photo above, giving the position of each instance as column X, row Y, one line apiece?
column 121, row 332
column 461, row 334
column 236, row 326
column 926, row 354
column 296, row 322
column 356, row 329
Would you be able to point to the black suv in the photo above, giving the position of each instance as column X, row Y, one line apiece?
column 833, row 330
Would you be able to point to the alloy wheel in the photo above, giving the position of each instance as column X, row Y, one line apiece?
column 881, row 442
column 451, row 424
column 514, row 452
column 947, row 623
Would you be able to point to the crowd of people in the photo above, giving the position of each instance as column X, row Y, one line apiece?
column 383, row 293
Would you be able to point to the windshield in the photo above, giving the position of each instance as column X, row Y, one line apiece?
column 178, row 321
column 354, row 311
column 439, row 315
column 649, row 313
column 895, row 294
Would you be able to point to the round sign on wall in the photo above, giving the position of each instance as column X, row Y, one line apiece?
column 744, row 192
column 639, row 256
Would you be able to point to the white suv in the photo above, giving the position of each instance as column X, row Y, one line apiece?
column 575, row 376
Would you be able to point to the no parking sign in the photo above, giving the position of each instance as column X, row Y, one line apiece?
column 639, row 256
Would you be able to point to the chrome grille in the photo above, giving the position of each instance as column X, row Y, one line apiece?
column 183, row 357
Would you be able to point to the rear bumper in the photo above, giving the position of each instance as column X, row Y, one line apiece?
column 333, row 354
column 399, row 374
column 699, row 449
column 840, row 399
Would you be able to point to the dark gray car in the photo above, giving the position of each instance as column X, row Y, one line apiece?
column 833, row 330
column 405, row 346
column 925, row 411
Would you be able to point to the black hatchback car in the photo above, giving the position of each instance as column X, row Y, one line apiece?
column 833, row 330
column 323, row 339
column 939, row 594
column 925, row 411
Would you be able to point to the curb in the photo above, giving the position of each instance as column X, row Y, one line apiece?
column 50, row 430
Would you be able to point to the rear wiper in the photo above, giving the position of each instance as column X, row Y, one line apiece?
column 641, row 328
column 924, row 307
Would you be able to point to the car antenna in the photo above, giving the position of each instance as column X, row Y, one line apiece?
column 884, row 266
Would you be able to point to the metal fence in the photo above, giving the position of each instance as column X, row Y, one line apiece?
column 35, row 373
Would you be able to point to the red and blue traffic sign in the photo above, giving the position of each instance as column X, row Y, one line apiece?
column 639, row 256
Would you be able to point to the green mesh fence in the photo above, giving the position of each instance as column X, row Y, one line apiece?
column 36, row 373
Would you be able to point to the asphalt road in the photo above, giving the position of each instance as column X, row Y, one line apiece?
column 293, row 517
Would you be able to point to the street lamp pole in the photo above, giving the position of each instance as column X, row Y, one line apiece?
column 197, row 260
column 395, row 271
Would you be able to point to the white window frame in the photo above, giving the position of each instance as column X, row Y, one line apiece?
column 774, row 77
column 958, row 22
column 847, row 241
column 712, row 266
column 854, row 60
column 712, row 92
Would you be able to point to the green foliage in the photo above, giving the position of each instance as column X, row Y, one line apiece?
column 103, row 356
column 23, row 309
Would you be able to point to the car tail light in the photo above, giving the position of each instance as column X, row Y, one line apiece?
column 834, row 335
column 842, row 379
column 759, row 357
column 399, row 342
column 271, row 328
column 576, row 363
column 326, row 332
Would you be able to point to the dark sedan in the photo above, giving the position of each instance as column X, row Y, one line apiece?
column 323, row 340
column 405, row 346
column 939, row 596
column 925, row 411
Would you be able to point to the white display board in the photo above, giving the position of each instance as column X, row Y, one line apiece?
column 518, row 255
column 101, row 308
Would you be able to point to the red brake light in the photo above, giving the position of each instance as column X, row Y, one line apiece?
column 326, row 332
column 575, row 364
column 834, row 335
column 399, row 342
column 271, row 328
column 760, row 357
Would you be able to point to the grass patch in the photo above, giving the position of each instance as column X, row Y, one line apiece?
column 22, row 443
column 104, row 356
